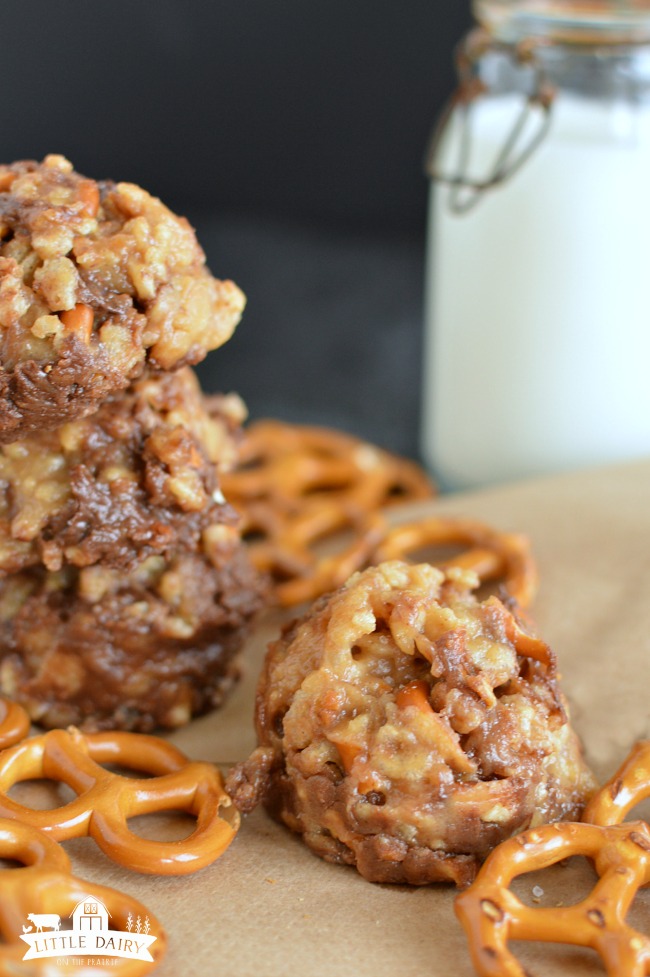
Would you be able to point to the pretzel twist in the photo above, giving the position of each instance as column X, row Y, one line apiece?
column 285, row 463
column 489, row 553
column 301, row 488
column 14, row 723
column 318, row 574
column 298, row 487
column 492, row 915
column 44, row 884
column 628, row 787
column 106, row 800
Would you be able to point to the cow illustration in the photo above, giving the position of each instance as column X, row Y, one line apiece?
column 49, row 920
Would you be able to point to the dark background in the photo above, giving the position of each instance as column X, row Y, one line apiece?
column 292, row 133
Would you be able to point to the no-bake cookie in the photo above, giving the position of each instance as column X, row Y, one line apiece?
column 97, row 281
column 137, row 477
column 407, row 728
column 103, row 649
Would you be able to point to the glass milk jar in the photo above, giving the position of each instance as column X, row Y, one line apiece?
column 537, row 341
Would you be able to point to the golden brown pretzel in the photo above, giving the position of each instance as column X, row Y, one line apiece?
column 105, row 800
column 492, row 915
column 14, row 723
column 318, row 574
column 44, row 884
column 285, row 463
column 628, row 787
column 298, row 487
column 490, row 553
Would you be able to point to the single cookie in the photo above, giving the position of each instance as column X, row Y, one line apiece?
column 102, row 649
column 406, row 728
column 137, row 477
column 96, row 281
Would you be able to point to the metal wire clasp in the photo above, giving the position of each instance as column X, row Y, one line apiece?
column 464, row 192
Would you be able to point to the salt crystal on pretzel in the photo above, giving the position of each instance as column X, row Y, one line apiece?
column 106, row 800
column 44, row 884
column 620, row 851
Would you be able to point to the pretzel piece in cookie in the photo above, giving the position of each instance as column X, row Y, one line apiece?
column 43, row 884
column 491, row 554
column 492, row 915
column 106, row 800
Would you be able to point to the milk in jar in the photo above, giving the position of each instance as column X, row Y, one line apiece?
column 537, row 344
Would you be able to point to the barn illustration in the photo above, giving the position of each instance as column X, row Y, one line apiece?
column 90, row 914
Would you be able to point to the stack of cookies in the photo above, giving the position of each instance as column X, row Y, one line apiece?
column 125, row 590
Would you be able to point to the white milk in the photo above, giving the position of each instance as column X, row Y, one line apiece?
column 537, row 351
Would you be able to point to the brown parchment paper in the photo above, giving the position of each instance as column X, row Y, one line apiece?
column 270, row 908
